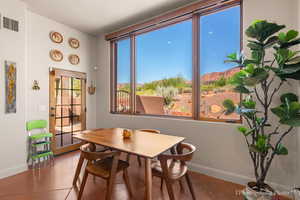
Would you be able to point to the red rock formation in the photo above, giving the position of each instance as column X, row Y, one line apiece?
column 214, row 76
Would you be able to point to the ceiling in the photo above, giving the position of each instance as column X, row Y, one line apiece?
column 102, row 16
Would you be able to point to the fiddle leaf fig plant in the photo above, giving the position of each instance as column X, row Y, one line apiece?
column 260, row 80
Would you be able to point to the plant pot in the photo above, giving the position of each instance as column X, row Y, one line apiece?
column 251, row 193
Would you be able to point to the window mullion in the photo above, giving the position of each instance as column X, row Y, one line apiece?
column 132, row 73
column 196, row 68
column 113, row 75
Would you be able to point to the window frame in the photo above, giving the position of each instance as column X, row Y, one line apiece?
column 195, row 17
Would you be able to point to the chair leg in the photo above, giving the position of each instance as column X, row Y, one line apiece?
column 181, row 185
column 128, row 157
column 139, row 160
column 161, row 183
column 78, row 169
column 82, row 184
column 127, row 182
column 188, row 180
column 170, row 189
column 109, row 190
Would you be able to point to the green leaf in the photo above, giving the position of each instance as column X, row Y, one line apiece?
column 257, row 55
column 288, row 96
column 255, row 45
column 290, row 69
column 295, row 76
column 281, row 37
column 288, row 112
column 291, row 34
column 261, row 30
column 294, row 60
column 242, row 129
column 242, row 89
column 229, row 106
column 233, row 56
column 258, row 75
column 249, row 68
column 250, row 104
column 261, row 143
column 281, row 150
column 294, row 122
column 279, row 112
column 238, row 78
column 290, row 44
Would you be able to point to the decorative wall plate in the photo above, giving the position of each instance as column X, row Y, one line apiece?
column 74, row 59
column 74, row 43
column 56, row 37
column 56, row 55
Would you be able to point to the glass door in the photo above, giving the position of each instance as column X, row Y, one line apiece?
column 67, row 109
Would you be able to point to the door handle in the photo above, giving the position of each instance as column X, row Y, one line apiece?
column 52, row 115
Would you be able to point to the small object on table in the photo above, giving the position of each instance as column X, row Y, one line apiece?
column 127, row 134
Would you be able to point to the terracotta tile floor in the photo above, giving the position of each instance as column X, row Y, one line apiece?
column 55, row 183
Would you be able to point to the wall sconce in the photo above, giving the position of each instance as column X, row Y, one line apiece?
column 92, row 88
column 36, row 85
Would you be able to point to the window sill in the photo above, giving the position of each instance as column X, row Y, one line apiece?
column 168, row 117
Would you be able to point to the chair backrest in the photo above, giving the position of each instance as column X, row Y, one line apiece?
column 88, row 154
column 150, row 130
column 150, row 105
column 181, row 155
column 188, row 156
column 36, row 124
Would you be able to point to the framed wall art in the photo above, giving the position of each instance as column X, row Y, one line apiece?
column 56, row 55
column 74, row 59
column 10, row 87
column 56, row 37
column 74, row 43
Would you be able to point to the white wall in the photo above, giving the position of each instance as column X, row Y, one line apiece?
column 12, row 126
column 221, row 150
column 29, row 48
column 39, row 62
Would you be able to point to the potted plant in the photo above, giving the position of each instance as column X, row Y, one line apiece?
column 272, row 63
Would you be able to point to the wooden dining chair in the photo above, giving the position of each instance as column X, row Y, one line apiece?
column 173, row 168
column 143, row 130
column 105, row 165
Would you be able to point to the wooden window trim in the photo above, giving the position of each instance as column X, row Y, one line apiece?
column 69, row 73
column 195, row 16
column 204, row 6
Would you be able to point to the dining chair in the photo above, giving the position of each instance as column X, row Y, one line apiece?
column 143, row 130
column 173, row 167
column 105, row 165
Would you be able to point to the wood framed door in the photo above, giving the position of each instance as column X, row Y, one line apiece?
column 67, row 108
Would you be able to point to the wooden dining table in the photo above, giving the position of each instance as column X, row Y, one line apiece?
column 144, row 144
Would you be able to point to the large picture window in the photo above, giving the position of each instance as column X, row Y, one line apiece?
column 178, row 69
column 219, row 37
column 164, row 71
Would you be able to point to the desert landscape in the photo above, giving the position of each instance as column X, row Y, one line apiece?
column 173, row 96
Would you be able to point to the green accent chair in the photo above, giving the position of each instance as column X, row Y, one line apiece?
column 39, row 143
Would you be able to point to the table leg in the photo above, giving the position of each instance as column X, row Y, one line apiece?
column 148, row 178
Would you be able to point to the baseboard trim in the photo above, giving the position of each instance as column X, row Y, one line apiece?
column 231, row 177
column 12, row 171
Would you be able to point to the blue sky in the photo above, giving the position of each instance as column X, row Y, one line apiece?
column 167, row 52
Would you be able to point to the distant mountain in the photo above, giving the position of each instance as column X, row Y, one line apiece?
column 214, row 76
